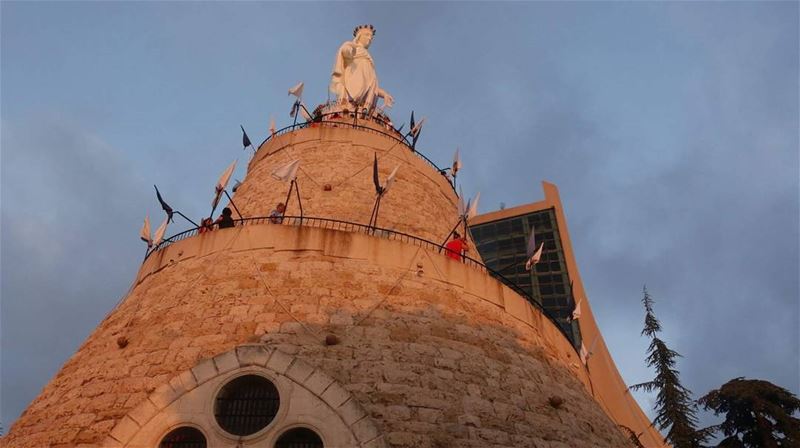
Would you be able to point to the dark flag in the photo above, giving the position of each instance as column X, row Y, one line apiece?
column 164, row 205
column 245, row 138
column 375, row 178
column 412, row 122
column 415, row 131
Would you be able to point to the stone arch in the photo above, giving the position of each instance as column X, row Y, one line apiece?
column 276, row 362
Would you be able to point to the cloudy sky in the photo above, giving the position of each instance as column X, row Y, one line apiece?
column 671, row 130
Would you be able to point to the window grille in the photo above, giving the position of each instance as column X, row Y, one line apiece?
column 184, row 437
column 299, row 438
column 246, row 405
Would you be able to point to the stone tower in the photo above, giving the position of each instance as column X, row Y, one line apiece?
column 323, row 331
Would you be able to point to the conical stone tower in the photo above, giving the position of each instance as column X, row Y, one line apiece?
column 323, row 331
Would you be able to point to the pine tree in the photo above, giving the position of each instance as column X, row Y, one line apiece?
column 675, row 409
column 758, row 414
column 632, row 436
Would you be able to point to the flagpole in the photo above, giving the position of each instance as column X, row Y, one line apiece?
column 377, row 209
column 374, row 206
column 213, row 209
column 299, row 202
column 295, row 109
column 233, row 204
column 307, row 112
column 288, row 195
column 184, row 217
column 451, row 233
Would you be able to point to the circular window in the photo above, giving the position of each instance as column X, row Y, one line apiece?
column 184, row 437
column 299, row 438
column 246, row 405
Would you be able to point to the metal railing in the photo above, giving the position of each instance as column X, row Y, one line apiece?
column 394, row 235
column 321, row 121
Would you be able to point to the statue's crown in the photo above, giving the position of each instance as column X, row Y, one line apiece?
column 363, row 27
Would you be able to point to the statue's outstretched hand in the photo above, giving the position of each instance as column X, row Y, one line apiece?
column 388, row 100
column 348, row 50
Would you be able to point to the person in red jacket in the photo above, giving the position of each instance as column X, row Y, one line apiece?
column 456, row 247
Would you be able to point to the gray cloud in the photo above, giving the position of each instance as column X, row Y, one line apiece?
column 69, row 247
column 670, row 129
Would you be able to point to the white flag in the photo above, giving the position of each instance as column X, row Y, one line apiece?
column 576, row 313
column 272, row 129
column 456, row 162
column 417, row 127
column 584, row 354
column 473, row 206
column 144, row 234
column 160, row 232
column 529, row 251
column 288, row 172
column 222, row 183
column 534, row 258
column 297, row 90
column 390, row 180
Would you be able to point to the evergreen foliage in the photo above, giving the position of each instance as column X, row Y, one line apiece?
column 632, row 436
column 757, row 414
column 675, row 409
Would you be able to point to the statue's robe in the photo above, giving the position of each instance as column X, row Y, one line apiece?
column 354, row 77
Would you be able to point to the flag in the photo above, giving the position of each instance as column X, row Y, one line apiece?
column 272, row 129
column 472, row 208
column 416, row 129
column 245, row 139
column 534, row 258
column 375, row 180
column 295, row 106
column 297, row 90
column 288, row 172
column 576, row 313
column 164, row 205
column 236, row 185
column 586, row 354
column 222, row 183
column 529, row 251
column 160, row 233
column 304, row 111
column 456, row 162
column 144, row 234
column 390, row 179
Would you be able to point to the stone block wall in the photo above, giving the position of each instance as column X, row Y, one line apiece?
column 421, row 202
column 437, row 353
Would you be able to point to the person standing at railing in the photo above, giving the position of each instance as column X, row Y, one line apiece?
column 206, row 225
column 276, row 215
column 457, row 247
column 225, row 220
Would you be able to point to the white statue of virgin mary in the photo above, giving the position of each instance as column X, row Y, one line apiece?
column 354, row 80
